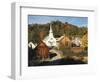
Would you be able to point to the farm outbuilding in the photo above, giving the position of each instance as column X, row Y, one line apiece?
column 42, row 50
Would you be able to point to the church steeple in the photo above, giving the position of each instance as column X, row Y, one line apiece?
column 50, row 40
column 50, row 31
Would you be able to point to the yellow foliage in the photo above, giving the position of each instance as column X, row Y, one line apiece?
column 84, row 41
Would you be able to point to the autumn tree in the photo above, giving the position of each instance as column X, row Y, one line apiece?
column 84, row 41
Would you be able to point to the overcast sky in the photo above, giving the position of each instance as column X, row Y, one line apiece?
column 78, row 21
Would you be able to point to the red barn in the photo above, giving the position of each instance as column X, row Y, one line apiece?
column 42, row 50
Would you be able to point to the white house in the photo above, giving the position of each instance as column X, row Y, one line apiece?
column 49, row 40
column 76, row 41
column 31, row 45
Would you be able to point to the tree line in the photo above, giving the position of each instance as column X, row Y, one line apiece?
column 36, row 32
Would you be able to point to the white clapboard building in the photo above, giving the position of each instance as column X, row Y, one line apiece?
column 76, row 41
column 49, row 40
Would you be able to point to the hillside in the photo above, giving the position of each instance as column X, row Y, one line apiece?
column 39, row 31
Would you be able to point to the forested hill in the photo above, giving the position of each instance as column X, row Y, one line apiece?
column 39, row 31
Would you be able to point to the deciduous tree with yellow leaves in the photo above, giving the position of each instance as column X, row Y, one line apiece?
column 84, row 41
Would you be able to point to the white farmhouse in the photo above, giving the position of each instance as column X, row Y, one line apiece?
column 76, row 41
column 31, row 45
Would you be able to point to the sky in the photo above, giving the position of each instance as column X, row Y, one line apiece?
column 78, row 21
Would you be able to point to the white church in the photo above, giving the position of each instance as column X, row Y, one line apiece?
column 49, row 40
